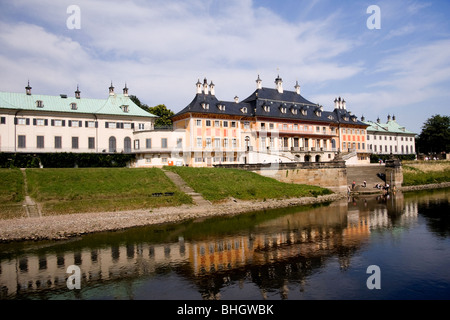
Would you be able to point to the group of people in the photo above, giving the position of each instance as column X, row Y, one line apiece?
column 385, row 188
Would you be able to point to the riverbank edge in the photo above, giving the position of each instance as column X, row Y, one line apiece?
column 63, row 227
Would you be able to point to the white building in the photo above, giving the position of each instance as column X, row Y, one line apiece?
column 389, row 138
column 32, row 123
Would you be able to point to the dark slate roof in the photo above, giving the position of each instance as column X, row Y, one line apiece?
column 266, row 102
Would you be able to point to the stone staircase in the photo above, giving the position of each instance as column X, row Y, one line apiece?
column 369, row 173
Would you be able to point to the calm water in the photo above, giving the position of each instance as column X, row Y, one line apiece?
column 320, row 252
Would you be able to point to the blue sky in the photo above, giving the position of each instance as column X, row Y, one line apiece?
column 161, row 48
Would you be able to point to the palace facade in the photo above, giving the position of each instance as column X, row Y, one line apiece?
column 270, row 125
column 31, row 123
column 389, row 138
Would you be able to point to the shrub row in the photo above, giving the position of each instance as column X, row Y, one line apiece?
column 64, row 160
column 375, row 158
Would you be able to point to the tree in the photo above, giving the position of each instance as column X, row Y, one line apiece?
column 164, row 115
column 435, row 135
column 160, row 110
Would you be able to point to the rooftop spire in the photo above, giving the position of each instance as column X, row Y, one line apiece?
column 28, row 88
column 77, row 93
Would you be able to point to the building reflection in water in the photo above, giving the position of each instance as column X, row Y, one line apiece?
column 270, row 254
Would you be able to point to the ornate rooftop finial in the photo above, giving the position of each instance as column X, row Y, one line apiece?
column 28, row 88
column 77, row 93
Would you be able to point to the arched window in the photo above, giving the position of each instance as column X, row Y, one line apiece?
column 127, row 145
column 112, row 144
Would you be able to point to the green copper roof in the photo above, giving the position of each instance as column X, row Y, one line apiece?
column 113, row 105
column 390, row 127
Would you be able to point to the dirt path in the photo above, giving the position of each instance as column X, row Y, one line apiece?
column 31, row 207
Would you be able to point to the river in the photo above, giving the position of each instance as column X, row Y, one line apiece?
column 368, row 247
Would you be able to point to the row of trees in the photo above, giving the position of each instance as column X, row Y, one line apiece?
column 434, row 138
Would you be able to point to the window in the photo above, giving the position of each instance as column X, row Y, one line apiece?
column 246, row 125
column 125, row 108
column 234, row 143
column 217, row 123
column 110, row 125
column 164, row 143
column 208, row 123
column 263, row 126
column 317, row 129
column 179, row 143
column 271, row 126
column 244, row 110
column 216, row 143
column 73, row 106
column 141, row 126
column 91, row 143
column 112, row 144
column 127, row 125
column 127, row 145
column 2, row 120
column 39, row 122
column 136, row 144
column 40, row 142
column 208, row 142
column 22, row 141
column 199, row 142
column 74, row 123
column 199, row 123
column 233, row 124
column 266, row 108
column 225, row 124
column 57, row 123
column 74, row 142
column 90, row 124
column 58, row 142
column 148, row 143
column 39, row 104
column 225, row 143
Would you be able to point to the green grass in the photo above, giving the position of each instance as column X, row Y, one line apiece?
column 413, row 176
column 11, row 193
column 101, row 189
column 217, row 184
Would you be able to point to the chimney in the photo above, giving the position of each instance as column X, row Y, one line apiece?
column 336, row 103
column 297, row 88
column 279, row 84
column 199, row 87
column 393, row 118
column 344, row 104
column 236, row 99
column 111, row 90
column 389, row 117
column 205, row 86
column 363, row 118
column 258, row 83
column 211, row 87
column 77, row 93
column 125, row 90
column 378, row 120
column 28, row 89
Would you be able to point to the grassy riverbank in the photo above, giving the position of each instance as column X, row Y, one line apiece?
column 216, row 184
column 425, row 172
column 61, row 191
column 11, row 193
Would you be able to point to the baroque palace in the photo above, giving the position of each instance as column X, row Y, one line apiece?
column 270, row 125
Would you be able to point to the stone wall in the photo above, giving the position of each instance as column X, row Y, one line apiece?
column 331, row 175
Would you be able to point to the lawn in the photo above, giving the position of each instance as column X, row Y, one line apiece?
column 11, row 193
column 102, row 189
column 217, row 184
column 425, row 172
